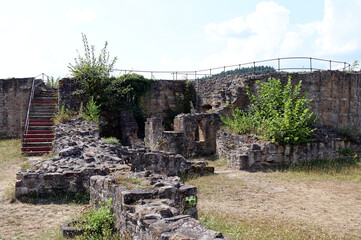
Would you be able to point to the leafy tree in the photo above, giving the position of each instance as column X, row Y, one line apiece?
column 92, row 72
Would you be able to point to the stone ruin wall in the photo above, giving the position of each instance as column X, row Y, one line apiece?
column 336, row 95
column 153, row 207
column 156, row 101
column 159, row 212
column 246, row 152
column 14, row 100
column 194, row 134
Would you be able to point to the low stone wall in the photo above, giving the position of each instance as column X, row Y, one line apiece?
column 245, row 152
column 83, row 154
column 156, row 208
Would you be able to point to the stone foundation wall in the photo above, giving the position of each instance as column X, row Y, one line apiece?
column 82, row 154
column 14, row 100
column 245, row 152
column 194, row 134
column 157, row 209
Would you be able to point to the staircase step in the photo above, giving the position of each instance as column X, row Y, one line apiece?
column 40, row 120
column 39, row 140
column 41, row 124
column 36, row 149
column 40, row 127
column 40, row 132
column 41, row 102
column 43, row 117
column 40, row 135
column 37, row 144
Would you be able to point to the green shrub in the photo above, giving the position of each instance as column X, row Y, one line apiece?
column 52, row 82
column 91, row 111
column 63, row 115
column 277, row 113
column 111, row 140
column 98, row 224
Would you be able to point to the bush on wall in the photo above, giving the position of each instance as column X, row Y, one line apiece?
column 276, row 113
column 111, row 94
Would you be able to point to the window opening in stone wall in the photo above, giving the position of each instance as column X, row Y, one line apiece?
column 206, row 108
column 199, row 132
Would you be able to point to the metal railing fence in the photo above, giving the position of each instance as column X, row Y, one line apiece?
column 27, row 120
column 287, row 64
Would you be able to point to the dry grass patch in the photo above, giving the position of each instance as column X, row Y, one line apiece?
column 21, row 220
column 322, row 202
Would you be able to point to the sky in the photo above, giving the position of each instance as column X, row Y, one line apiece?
column 42, row 36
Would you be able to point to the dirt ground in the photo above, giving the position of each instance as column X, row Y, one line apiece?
column 29, row 221
column 332, row 205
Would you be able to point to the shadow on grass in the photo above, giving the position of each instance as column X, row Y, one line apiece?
column 337, row 165
column 57, row 198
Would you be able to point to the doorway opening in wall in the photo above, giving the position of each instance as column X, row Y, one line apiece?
column 199, row 132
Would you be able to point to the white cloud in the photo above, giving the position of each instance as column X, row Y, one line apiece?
column 339, row 30
column 267, row 33
column 77, row 16
column 260, row 35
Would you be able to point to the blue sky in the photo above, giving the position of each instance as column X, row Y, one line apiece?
column 43, row 36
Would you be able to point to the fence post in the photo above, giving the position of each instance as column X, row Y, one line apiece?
column 330, row 65
column 210, row 72
column 195, row 75
column 176, row 75
column 279, row 64
column 311, row 64
column 224, row 70
column 254, row 67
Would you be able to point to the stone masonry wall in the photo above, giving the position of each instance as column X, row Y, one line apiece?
column 194, row 134
column 68, row 96
column 161, row 96
column 336, row 95
column 156, row 207
column 247, row 152
column 82, row 154
column 14, row 99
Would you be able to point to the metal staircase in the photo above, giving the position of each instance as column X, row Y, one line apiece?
column 39, row 127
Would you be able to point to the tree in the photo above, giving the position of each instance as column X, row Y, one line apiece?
column 92, row 72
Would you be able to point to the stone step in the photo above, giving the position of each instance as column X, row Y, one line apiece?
column 30, row 149
column 40, row 132
column 37, row 144
column 45, row 117
column 44, row 101
column 41, row 127
column 39, row 140
column 40, row 135
column 50, row 110
column 41, row 124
